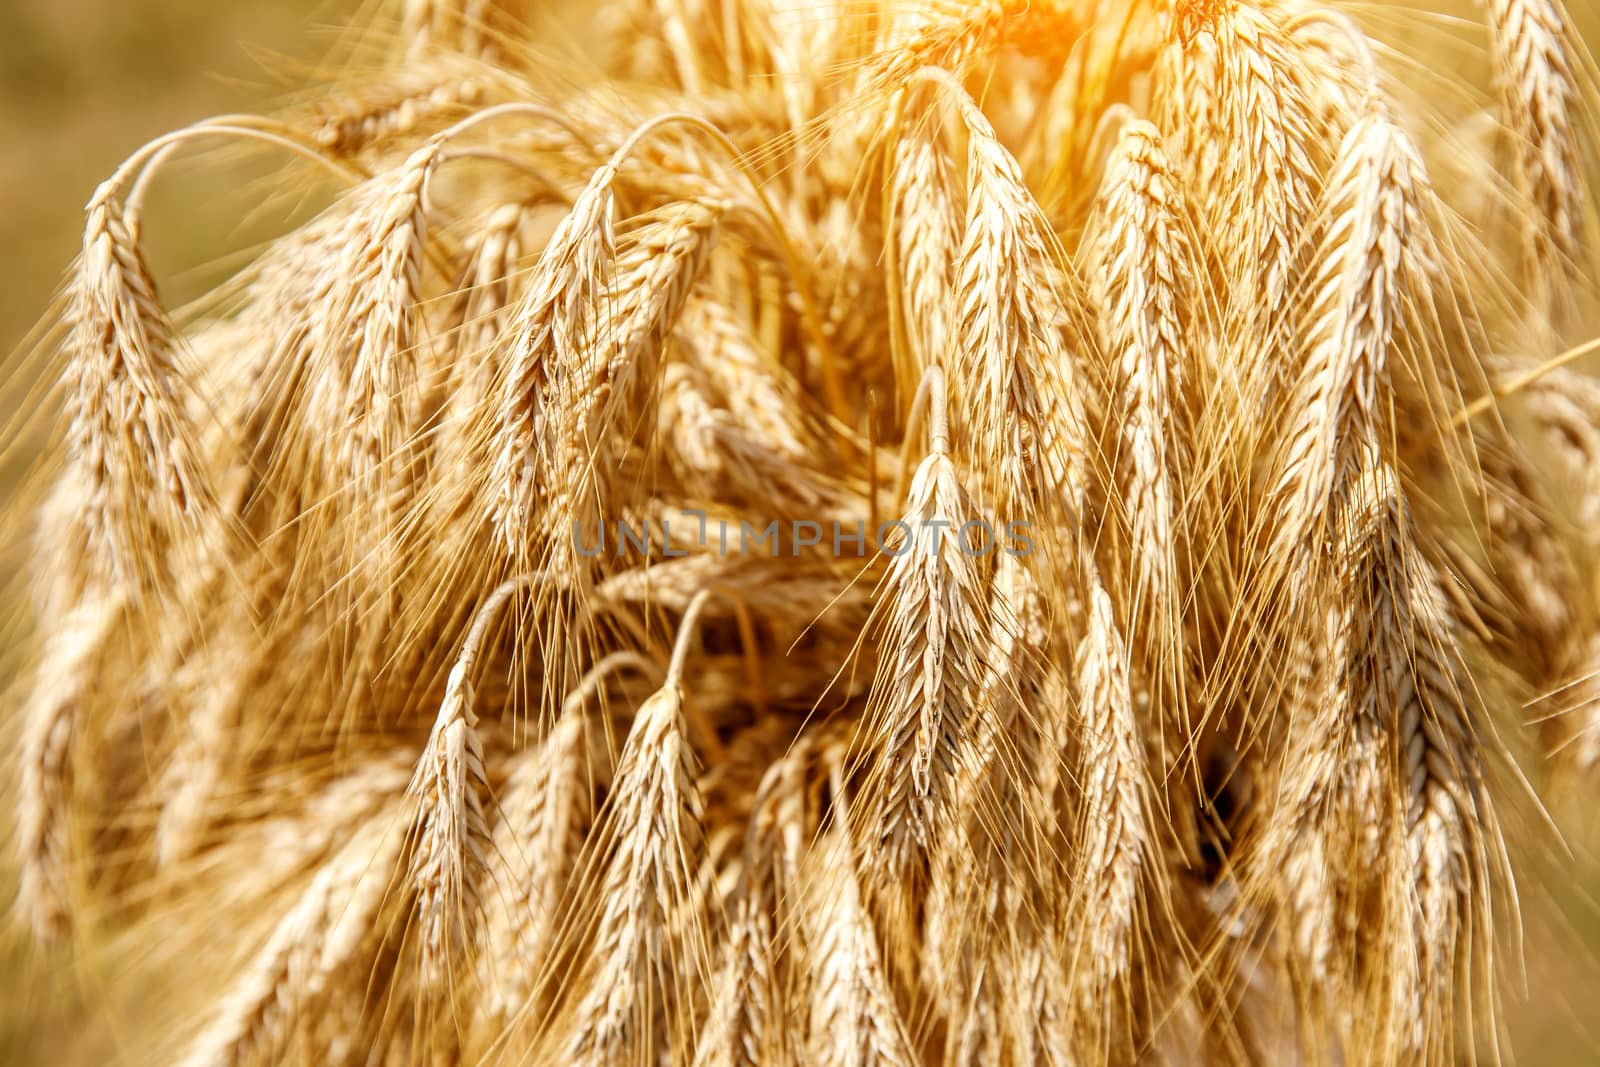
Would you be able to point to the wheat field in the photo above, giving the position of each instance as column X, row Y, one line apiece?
column 849, row 532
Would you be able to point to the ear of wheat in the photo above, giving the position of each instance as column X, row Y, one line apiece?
column 849, row 533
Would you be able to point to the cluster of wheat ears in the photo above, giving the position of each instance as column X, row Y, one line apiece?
column 1262, row 319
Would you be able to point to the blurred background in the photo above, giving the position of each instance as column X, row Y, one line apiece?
column 83, row 83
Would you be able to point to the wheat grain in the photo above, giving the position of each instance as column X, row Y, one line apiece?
column 471, row 27
column 1535, row 70
column 368, row 121
column 1144, row 272
column 374, row 334
column 933, row 629
column 1116, row 820
column 45, row 829
column 1577, row 716
column 854, row 1019
column 129, row 422
column 746, row 1024
column 546, row 329
column 1010, row 353
column 451, row 831
column 1268, row 118
column 760, row 396
column 1396, row 670
column 646, row 885
column 1352, row 324
column 1566, row 407
column 927, row 233
column 199, row 767
column 314, row 942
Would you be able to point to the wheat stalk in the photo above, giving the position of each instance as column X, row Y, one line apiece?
column 451, row 831
column 546, row 328
column 1351, row 326
column 854, row 1019
column 1141, row 267
column 45, row 830
column 130, row 429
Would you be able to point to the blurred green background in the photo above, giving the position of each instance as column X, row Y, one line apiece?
column 83, row 83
